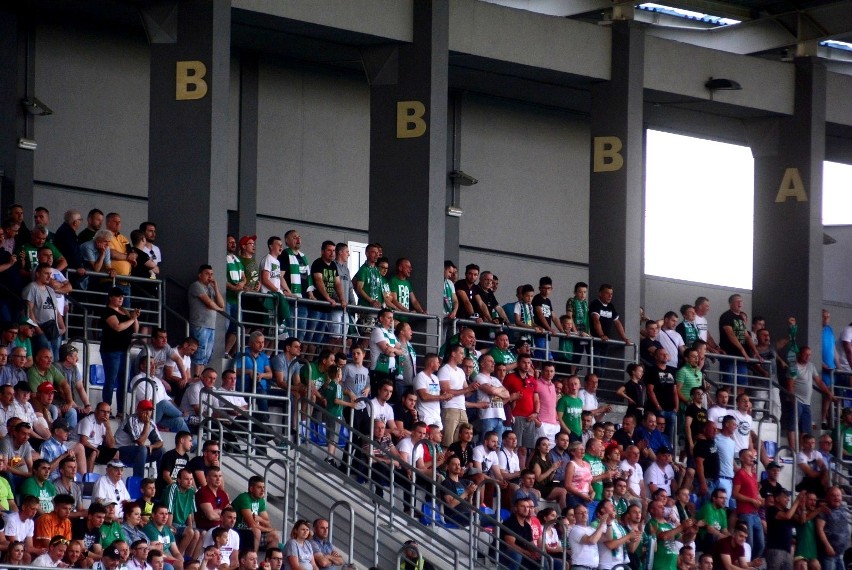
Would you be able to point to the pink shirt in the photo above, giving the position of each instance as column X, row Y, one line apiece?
column 547, row 398
column 582, row 476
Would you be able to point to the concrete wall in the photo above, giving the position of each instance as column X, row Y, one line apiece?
column 98, row 87
column 533, row 171
column 313, row 146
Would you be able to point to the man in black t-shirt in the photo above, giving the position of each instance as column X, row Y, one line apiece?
column 518, row 551
column 735, row 340
column 173, row 461
column 662, row 390
column 779, row 529
column 605, row 321
column 470, row 296
column 543, row 316
column 88, row 529
column 707, row 461
column 327, row 287
column 769, row 485
column 457, row 493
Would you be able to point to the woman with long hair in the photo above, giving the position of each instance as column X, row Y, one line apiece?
column 544, row 470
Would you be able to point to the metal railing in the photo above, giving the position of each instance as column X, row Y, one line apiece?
column 91, row 301
column 246, row 426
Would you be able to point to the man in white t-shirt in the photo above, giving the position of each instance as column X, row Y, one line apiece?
column 428, row 388
column 702, row 308
column 381, row 409
column 744, row 436
column 409, row 448
column 671, row 339
column 661, row 474
column 634, row 474
column 485, row 456
column 20, row 525
column 590, row 399
column 491, row 390
column 453, row 382
column 508, row 460
column 271, row 282
column 720, row 409
column 149, row 387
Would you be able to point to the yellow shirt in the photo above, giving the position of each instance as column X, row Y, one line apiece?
column 120, row 243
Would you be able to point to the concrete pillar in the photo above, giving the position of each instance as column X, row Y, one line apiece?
column 616, row 203
column 190, row 66
column 16, row 164
column 788, row 161
column 408, row 148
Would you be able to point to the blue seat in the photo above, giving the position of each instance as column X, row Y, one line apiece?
column 134, row 486
column 96, row 375
column 89, row 480
column 427, row 517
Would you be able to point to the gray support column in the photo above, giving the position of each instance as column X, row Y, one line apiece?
column 408, row 148
column 617, row 180
column 247, row 202
column 190, row 65
column 788, row 161
column 16, row 165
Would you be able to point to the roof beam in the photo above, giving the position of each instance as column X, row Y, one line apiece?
column 830, row 21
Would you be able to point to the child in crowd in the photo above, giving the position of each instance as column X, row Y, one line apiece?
column 335, row 401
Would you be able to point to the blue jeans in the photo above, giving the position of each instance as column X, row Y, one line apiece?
column 726, row 368
column 138, row 457
column 167, row 414
column 542, row 351
column 114, row 377
column 670, row 423
column 755, row 534
column 205, row 337
column 492, row 424
column 511, row 559
column 318, row 327
column 300, row 322
column 70, row 417
column 832, row 562
column 233, row 311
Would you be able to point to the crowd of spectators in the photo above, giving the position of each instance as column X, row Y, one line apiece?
column 670, row 484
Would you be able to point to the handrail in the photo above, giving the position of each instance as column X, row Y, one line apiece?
column 331, row 512
column 136, row 341
column 132, row 390
column 543, row 545
column 286, row 472
column 85, row 375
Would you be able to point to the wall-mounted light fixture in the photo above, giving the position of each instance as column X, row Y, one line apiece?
column 27, row 144
column 35, row 107
column 721, row 84
column 463, row 178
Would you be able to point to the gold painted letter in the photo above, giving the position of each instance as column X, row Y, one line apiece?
column 791, row 187
column 189, row 80
column 409, row 119
column 607, row 154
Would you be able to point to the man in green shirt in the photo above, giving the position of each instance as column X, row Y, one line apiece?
column 594, row 452
column 502, row 353
column 402, row 295
column 712, row 517
column 569, row 408
column 665, row 557
column 252, row 518
column 158, row 531
column 39, row 486
column 179, row 497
